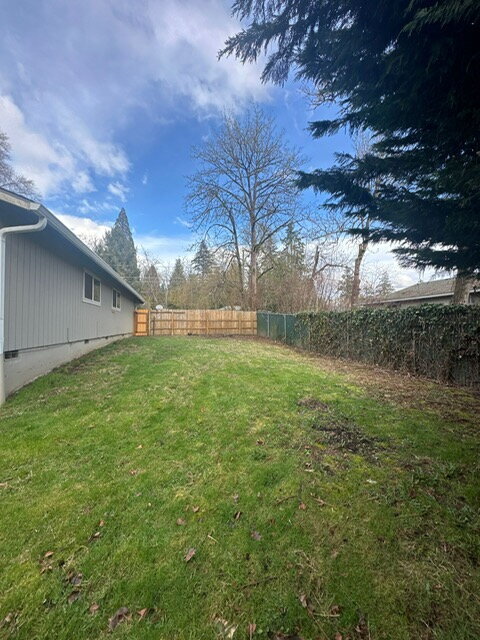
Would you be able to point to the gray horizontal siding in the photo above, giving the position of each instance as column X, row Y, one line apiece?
column 44, row 300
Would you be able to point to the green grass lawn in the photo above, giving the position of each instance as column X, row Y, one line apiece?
column 315, row 508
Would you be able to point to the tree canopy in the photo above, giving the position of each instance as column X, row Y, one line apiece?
column 408, row 72
column 203, row 260
column 244, row 194
column 118, row 249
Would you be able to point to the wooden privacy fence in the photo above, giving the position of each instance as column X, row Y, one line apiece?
column 210, row 322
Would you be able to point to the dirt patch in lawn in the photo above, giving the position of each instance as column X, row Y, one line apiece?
column 346, row 437
column 312, row 403
column 338, row 434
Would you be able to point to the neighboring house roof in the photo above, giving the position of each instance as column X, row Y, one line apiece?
column 25, row 211
column 427, row 290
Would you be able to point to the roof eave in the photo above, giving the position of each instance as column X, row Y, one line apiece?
column 31, row 205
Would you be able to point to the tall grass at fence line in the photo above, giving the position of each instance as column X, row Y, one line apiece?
column 437, row 341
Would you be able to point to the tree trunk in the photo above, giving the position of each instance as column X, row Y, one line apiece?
column 362, row 248
column 253, row 280
column 460, row 291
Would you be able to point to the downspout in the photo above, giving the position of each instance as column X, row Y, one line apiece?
column 26, row 228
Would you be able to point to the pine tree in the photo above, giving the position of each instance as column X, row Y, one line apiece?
column 345, row 286
column 384, row 286
column 151, row 286
column 177, row 279
column 293, row 251
column 408, row 72
column 203, row 261
column 118, row 249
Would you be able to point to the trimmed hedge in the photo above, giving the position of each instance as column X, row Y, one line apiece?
column 437, row 341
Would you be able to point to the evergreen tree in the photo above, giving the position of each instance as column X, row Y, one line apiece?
column 177, row 279
column 293, row 251
column 203, row 261
column 118, row 249
column 384, row 286
column 408, row 72
column 345, row 286
column 151, row 286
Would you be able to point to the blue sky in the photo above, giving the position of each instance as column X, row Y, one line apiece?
column 103, row 100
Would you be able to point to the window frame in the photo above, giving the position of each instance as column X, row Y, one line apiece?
column 92, row 300
column 118, row 297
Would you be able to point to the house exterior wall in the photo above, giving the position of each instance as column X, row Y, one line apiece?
column 31, row 364
column 47, row 320
column 416, row 303
column 473, row 299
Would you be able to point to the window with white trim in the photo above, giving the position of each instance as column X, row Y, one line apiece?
column 116, row 299
column 92, row 288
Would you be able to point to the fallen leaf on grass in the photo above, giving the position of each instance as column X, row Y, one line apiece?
column 75, row 578
column 49, row 554
column 140, row 446
column 74, row 596
column 303, row 601
column 362, row 628
column 101, row 523
column 181, row 522
column 235, row 498
column 237, row 515
column 260, row 442
column 319, row 501
column 227, row 629
column 95, row 536
column 121, row 615
column 190, row 553
column 255, row 535
column 338, row 636
column 335, row 611
column 195, row 509
column 9, row 618
column 143, row 612
column 133, row 472
column 93, row 608
column 302, row 506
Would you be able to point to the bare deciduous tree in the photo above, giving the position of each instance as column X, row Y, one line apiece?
column 244, row 192
column 9, row 179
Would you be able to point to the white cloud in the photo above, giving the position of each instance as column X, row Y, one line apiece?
column 118, row 190
column 95, row 207
column 32, row 153
column 69, row 91
column 145, row 179
column 184, row 223
column 164, row 248
column 86, row 229
column 82, row 183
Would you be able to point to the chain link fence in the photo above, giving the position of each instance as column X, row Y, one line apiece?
column 435, row 341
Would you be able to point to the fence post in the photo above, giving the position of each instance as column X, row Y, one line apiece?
column 285, row 327
column 268, row 324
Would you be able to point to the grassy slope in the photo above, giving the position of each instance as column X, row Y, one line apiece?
column 393, row 551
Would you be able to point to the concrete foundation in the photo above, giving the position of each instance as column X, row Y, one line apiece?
column 30, row 364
